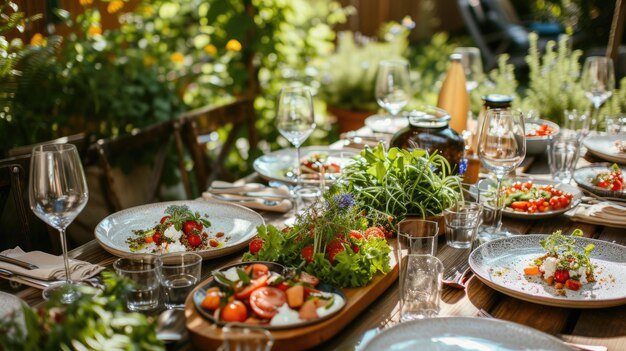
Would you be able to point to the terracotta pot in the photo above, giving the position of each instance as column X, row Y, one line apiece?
column 348, row 120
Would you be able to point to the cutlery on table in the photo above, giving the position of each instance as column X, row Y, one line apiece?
column 225, row 187
column 265, row 202
column 576, row 346
column 17, row 262
column 459, row 277
column 266, row 195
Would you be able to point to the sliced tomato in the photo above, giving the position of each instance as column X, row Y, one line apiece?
column 308, row 279
column 164, row 218
column 265, row 301
column 190, row 226
column 258, row 270
column 254, row 284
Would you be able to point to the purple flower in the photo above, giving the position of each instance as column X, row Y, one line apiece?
column 463, row 166
column 344, row 201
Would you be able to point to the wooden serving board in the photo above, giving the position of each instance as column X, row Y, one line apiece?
column 208, row 336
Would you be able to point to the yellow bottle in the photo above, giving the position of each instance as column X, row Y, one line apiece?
column 453, row 95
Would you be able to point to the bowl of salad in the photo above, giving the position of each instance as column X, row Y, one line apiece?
column 538, row 133
column 602, row 179
column 524, row 198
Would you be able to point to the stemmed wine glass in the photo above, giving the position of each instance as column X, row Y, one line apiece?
column 58, row 193
column 393, row 86
column 598, row 81
column 295, row 120
column 501, row 148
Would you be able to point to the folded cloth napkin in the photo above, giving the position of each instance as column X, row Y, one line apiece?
column 606, row 214
column 252, row 195
column 50, row 267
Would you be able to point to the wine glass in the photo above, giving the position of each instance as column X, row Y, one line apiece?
column 598, row 81
column 295, row 119
column 501, row 148
column 472, row 66
column 392, row 86
column 57, row 194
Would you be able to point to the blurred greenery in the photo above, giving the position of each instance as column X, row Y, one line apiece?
column 95, row 321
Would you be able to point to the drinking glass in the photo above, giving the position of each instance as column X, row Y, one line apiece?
column 462, row 222
column 576, row 122
column 142, row 271
column 57, row 194
column 563, row 151
column 295, row 119
column 421, row 279
column 393, row 89
column 178, row 273
column 501, row 148
column 598, row 81
column 472, row 66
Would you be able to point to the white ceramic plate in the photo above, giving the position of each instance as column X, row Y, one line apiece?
column 483, row 185
column 278, row 164
column 237, row 222
column 386, row 123
column 463, row 334
column 584, row 175
column 603, row 146
column 500, row 265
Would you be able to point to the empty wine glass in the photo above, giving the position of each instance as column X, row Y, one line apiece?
column 295, row 120
column 598, row 81
column 393, row 86
column 472, row 66
column 501, row 148
column 58, row 193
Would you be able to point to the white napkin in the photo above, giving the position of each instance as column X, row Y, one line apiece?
column 220, row 190
column 601, row 214
column 50, row 267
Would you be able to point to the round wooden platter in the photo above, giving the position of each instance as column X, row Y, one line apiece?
column 208, row 336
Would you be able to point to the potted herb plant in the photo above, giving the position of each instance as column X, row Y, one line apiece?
column 402, row 183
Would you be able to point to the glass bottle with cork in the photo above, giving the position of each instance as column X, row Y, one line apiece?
column 453, row 96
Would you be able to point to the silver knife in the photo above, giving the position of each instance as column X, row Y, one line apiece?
column 17, row 262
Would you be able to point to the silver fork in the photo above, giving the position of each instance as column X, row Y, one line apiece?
column 584, row 347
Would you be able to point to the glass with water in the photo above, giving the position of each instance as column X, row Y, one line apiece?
column 142, row 271
column 178, row 273
column 462, row 222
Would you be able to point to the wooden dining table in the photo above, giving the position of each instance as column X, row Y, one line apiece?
column 601, row 326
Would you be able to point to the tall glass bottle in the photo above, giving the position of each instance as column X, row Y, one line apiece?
column 453, row 96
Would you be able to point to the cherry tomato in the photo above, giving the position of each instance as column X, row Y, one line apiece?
column 194, row 240
column 307, row 253
column 374, row 231
column 561, row 275
column 564, row 201
column 265, row 301
column 235, row 311
column 212, row 300
column 256, row 245
column 248, row 289
column 156, row 238
column 335, row 247
column 573, row 284
column 189, row 227
column 164, row 218
column 356, row 234
column 617, row 185
column 283, row 286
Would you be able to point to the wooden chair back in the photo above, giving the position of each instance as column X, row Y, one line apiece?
column 120, row 156
column 196, row 128
column 82, row 141
column 18, row 224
